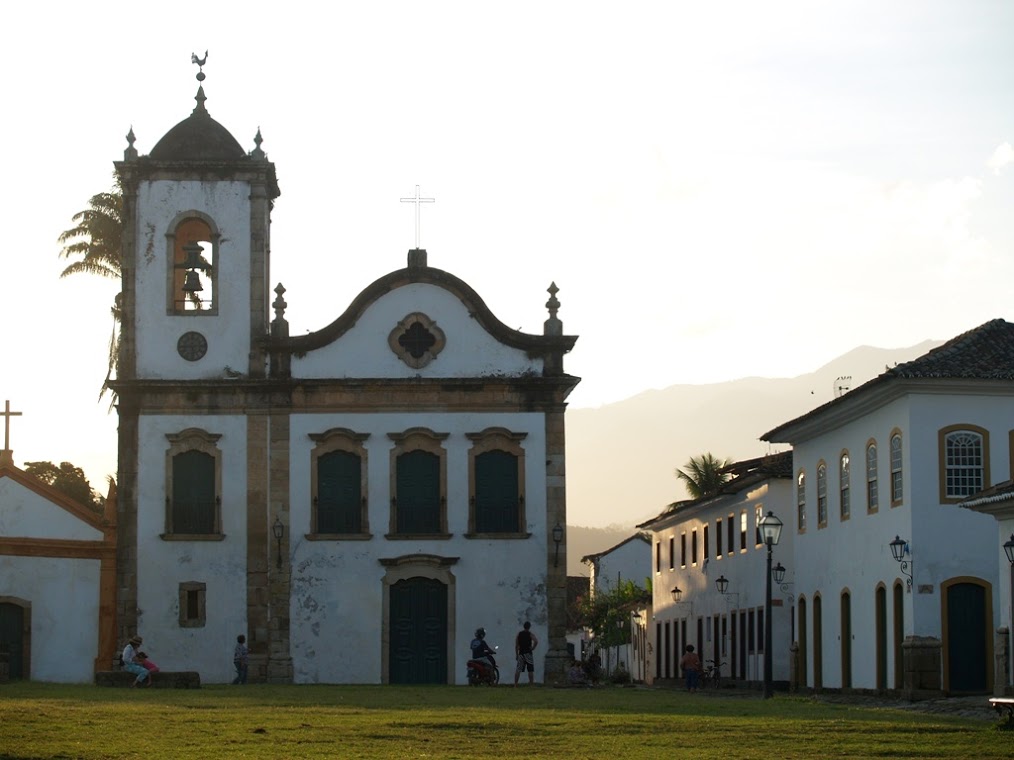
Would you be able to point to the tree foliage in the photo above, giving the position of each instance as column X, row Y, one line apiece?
column 95, row 241
column 704, row 475
column 68, row 480
column 607, row 613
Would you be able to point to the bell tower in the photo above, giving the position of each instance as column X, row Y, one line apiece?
column 196, row 253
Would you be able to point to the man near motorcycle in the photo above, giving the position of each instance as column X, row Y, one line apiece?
column 480, row 649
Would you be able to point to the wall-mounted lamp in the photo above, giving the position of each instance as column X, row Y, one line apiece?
column 779, row 575
column 677, row 597
column 557, row 539
column 278, row 530
column 722, row 584
column 900, row 550
column 1008, row 549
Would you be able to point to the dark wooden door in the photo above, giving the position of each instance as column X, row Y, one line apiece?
column 966, row 637
column 12, row 628
column 418, row 636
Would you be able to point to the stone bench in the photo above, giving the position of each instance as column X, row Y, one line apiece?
column 1004, row 705
column 183, row 679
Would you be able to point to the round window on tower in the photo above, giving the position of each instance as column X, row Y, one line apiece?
column 192, row 346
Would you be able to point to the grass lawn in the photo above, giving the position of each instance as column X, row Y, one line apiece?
column 259, row 721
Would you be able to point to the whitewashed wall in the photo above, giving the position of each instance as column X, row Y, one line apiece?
column 163, row 565
column 228, row 333
column 337, row 590
column 946, row 541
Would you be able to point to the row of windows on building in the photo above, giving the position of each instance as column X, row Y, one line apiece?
column 696, row 545
column 963, row 472
column 340, row 484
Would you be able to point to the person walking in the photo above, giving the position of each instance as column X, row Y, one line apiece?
column 524, row 645
column 691, row 665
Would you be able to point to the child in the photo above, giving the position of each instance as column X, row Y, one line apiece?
column 143, row 659
column 240, row 659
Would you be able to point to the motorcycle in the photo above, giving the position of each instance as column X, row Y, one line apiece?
column 481, row 672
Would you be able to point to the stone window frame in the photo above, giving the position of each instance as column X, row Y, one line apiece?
column 187, row 588
column 872, row 478
column 844, row 485
column 428, row 324
column 349, row 441
column 170, row 237
column 193, row 439
column 897, row 460
column 943, row 436
column 417, row 439
column 821, row 494
column 492, row 439
column 801, row 501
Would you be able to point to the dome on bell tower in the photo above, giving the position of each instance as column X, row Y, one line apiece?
column 198, row 138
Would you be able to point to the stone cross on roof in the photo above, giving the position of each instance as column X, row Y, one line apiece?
column 417, row 200
column 7, row 414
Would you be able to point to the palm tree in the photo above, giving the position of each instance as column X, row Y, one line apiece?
column 704, row 475
column 95, row 241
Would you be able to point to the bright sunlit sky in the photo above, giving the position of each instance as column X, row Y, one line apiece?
column 719, row 189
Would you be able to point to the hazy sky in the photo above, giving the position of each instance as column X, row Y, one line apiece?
column 718, row 189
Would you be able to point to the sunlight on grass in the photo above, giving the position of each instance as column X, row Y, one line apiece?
column 42, row 721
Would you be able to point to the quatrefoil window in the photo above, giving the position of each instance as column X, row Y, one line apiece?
column 417, row 340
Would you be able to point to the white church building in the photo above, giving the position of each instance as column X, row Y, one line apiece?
column 355, row 500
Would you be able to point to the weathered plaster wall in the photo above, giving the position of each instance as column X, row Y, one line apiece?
column 64, row 594
column 159, row 204
column 163, row 565
column 337, row 586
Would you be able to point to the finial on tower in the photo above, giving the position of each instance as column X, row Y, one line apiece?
column 130, row 154
column 552, row 326
column 257, row 152
column 200, row 63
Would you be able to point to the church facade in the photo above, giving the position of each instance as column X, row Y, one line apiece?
column 355, row 500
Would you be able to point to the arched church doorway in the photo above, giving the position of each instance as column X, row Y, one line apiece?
column 418, row 635
column 15, row 623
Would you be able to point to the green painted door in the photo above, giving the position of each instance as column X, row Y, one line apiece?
column 418, row 493
column 966, row 637
column 12, row 622
column 418, row 636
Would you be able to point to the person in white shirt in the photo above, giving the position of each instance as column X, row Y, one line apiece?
column 132, row 664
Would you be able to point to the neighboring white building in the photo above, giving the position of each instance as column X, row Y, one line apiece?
column 894, row 458
column 629, row 560
column 356, row 500
column 694, row 544
column 57, row 581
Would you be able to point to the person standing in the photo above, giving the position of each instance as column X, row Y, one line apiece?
column 241, row 659
column 524, row 645
column 691, row 665
column 132, row 663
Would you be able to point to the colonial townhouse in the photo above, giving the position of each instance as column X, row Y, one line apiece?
column 709, row 584
column 895, row 583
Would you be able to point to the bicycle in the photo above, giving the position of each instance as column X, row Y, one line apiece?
column 712, row 675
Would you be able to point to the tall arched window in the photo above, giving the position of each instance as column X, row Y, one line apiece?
column 801, row 501
column 897, row 492
column 844, row 486
column 872, row 495
column 821, row 495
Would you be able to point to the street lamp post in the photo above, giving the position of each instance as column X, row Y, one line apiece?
column 771, row 530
